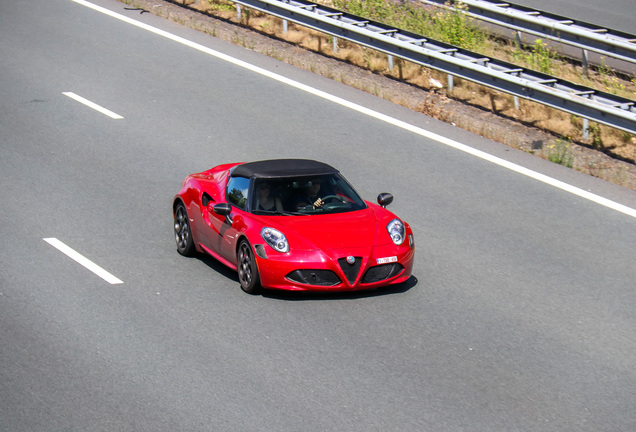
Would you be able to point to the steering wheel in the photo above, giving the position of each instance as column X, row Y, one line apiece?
column 340, row 202
column 335, row 197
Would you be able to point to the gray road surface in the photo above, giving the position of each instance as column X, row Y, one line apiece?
column 520, row 316
column 614, row 14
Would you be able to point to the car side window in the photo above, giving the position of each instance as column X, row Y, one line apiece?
column 237, row 189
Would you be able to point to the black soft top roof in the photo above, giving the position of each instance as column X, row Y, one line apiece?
column 282, row 168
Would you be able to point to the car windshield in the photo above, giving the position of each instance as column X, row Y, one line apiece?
column 304, row 195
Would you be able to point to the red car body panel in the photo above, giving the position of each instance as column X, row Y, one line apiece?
column 316, row 242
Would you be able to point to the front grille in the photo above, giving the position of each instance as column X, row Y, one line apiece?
column 350, row 270
column 314, row 277
column 382, row 272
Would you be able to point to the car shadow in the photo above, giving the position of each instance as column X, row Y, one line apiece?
column 309, row 295
column 217, row 266
column 341, row 295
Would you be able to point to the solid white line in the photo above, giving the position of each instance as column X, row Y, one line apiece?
column 359, row 108
column 80, row 259
column 93, row 105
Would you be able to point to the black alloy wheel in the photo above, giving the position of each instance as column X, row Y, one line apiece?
column 182, row 233
column 247, row 270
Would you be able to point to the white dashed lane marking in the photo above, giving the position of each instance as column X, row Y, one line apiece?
column 92, row 105
column 82, row 260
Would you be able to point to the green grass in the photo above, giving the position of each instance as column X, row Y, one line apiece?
column 451, row 27
column 538, row 57
column 560, row 152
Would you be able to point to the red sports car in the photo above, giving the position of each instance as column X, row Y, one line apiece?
column 292, row 224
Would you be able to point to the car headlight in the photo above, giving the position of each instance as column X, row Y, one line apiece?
column 396, row 231
column 275, row 239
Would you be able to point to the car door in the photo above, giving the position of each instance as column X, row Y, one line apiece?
column 236, row 194
column 213, row 221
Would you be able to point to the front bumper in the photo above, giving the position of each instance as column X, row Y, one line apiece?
column 329, row 271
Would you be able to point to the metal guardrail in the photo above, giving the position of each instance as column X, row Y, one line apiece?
column 601, row 107
column 580, row 34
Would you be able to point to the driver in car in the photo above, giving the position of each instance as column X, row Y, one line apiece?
column 312, row 195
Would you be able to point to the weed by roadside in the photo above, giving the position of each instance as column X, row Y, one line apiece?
column 560, row 153
column 538, row 57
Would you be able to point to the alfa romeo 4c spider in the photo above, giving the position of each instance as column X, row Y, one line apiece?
column 292, row 224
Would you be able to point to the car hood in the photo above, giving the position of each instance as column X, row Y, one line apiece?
column 330, row 231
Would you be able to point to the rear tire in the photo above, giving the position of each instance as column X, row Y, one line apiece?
column 247, row 270
column 182, row 232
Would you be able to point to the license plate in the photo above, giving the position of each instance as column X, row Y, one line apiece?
column 387, row 260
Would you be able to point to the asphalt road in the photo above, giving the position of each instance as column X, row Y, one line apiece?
column 520, row 316
column 614, row 14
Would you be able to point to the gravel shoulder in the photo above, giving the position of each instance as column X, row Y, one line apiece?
column 433, row 103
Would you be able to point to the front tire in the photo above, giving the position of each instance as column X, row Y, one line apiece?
column 247, row 270
column 182, row 232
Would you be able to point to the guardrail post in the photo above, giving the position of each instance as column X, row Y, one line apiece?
column 335, row 44
column 585, row 63
column 450, row 83
column 518, row 39
column 586, row 129
column 516, row 101
column 390, row 58
column 285, row 26
column 238, row 11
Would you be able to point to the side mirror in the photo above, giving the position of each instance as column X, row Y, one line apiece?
column 384, row 199
column 223, row 209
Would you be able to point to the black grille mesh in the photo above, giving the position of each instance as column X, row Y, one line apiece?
column 382, row 272
column 314, row 277
column 350, row 270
